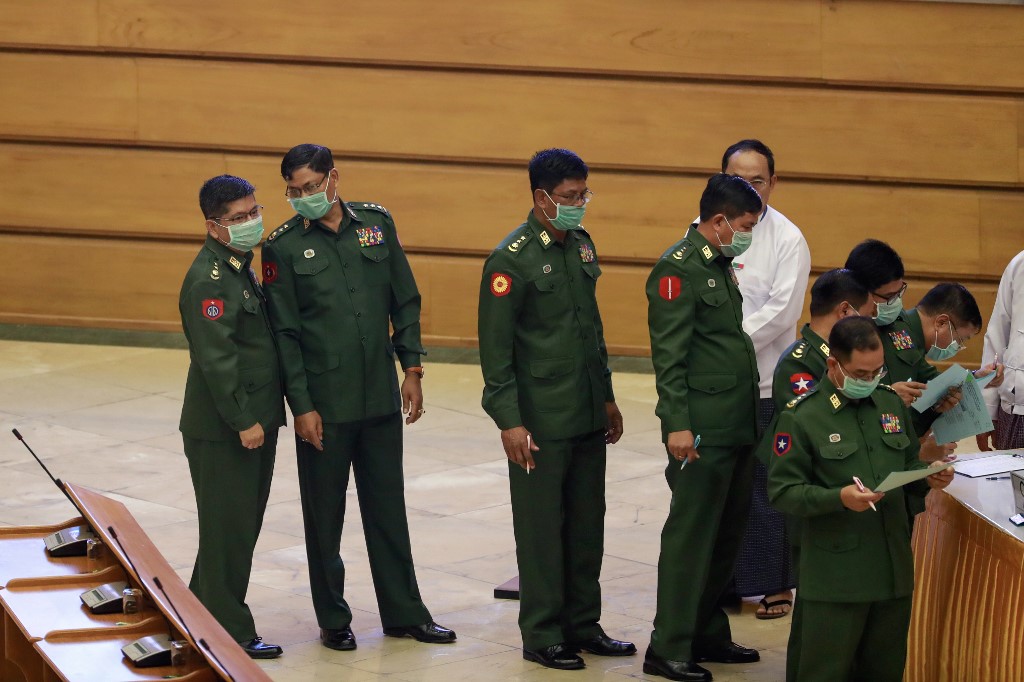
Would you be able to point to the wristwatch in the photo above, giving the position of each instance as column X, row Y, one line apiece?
column 414, row 370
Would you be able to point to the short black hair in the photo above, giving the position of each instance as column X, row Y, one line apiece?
column 317, row 157
column 730, row 195
column 216, row 193
column 832, row 288
column 875, row 263
column 549, row 168
column 853, row 333
column 954, row 300
column 750, row 146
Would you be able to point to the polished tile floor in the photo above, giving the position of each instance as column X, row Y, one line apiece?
column 106, row 417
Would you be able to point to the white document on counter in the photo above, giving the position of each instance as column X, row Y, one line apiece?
column 988, row 466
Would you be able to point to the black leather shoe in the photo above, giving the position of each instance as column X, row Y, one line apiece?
column 557, row 656
column 603, row 645
column 729, row 652
column 257, row 649
column 687, row 671
column 429, row 632
column 339, row 639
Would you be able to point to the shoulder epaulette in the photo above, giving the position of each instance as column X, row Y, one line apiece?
column 517, row 244
column 800, row 349
column 363, row 206
column 289, row 224
column 682, row 253
column 796, row 401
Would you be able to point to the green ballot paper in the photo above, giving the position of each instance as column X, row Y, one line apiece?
column 901, row 478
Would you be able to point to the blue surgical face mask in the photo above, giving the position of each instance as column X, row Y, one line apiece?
column 740, row 242
column 954, row 347
column 316, row 205
column 888, row 312
column 566, row 217
column 244, row 236
column 856, row 389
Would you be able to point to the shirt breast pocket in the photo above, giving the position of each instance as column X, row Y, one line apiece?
column 717, row 314
column 837, row 451
column 896, row 441
column 376, row 264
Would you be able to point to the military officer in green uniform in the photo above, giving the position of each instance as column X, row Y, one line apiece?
column 548, row 388
column 233, row 404
column 336, row 277
column 707, row 380
column 856, row 569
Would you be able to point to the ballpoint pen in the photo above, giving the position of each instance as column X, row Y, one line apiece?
column 860, row 487
column 696, row 442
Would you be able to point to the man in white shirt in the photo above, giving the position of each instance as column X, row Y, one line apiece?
column 1004, row 344
column 772, row 276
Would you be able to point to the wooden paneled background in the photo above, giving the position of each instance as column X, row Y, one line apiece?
column 897, row 120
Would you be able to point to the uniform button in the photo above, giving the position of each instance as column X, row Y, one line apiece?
column 363, row 339
column 578, row 308
column 344, row 265
column 353, row 290
column 359, row 314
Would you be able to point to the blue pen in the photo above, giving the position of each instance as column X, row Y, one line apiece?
column 696, row 442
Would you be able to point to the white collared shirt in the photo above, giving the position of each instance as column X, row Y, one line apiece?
column 1005, row 336
column 773, row 276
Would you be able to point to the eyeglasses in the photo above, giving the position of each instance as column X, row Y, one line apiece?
column 583, row 198
column 895, row 297
column 307, row 189
column 956, row 335
column 239, row 217
column 882, row 371
column 758, row 184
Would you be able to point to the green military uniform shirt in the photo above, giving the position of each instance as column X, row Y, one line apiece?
column 905, row 357
column 799, row 368
column 542, row 349
column 705, row 364
column 234, row 379
column 820, row 444
column 332, row 297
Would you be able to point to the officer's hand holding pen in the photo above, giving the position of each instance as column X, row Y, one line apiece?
column 681, row 445
column 519, row 446
column 855, row 498
column 310, row 428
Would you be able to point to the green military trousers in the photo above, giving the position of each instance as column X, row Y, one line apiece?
column 232, row 484
column 373, row 449
column 558, row 518
column 853, row 642
column 699, row 545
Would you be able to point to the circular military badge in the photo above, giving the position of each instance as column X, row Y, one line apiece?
column 501, row 284
column 213, row 308
column 269, row 272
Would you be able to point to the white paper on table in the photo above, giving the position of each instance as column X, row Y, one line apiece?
column 988, row 466
column 900, row 478
column 968, row 418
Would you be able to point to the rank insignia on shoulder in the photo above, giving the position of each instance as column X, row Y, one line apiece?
column 792, row 402
column 501, row 284
column 309, row 253
column 518, row 243
column 891, row 423
column 834, row 438
column 212, row 308
column 799, row 351
column 669, row 286
column 269, row 272
column 586, row 253
column 783, row 441
column 545, row 237
column 825, row 349
column 215, row 274
column 370, row 236
column 235, row 263
column 678, row 255
column 801, row 383
column 708, row 255
column 901, row 340
column 836, row 402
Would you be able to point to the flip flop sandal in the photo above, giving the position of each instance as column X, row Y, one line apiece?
column 768, row 605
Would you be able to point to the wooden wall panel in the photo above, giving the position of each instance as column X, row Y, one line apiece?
column 883, row 42
column 435, row 114
column 961, row 234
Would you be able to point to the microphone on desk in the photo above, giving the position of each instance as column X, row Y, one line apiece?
column 56, row 481
column 160, row 586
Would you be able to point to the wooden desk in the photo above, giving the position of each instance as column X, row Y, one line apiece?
column 968, row 617
column 47, row 634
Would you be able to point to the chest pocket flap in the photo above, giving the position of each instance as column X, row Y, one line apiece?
column 837, row 450
column 551, row 282
column 711, row 383
column 896, row 441
column 592, row 269
column 375, row 253
column 311, row 266
column 255, row 377
column 551, row 368
column 251, row 304
column 714, row 298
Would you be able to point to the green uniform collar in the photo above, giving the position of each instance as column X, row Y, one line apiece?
column 543, row 235
column 913, row 319
column 707, row 251
column 234, row 259
column 814, row 341
column 838, row 401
